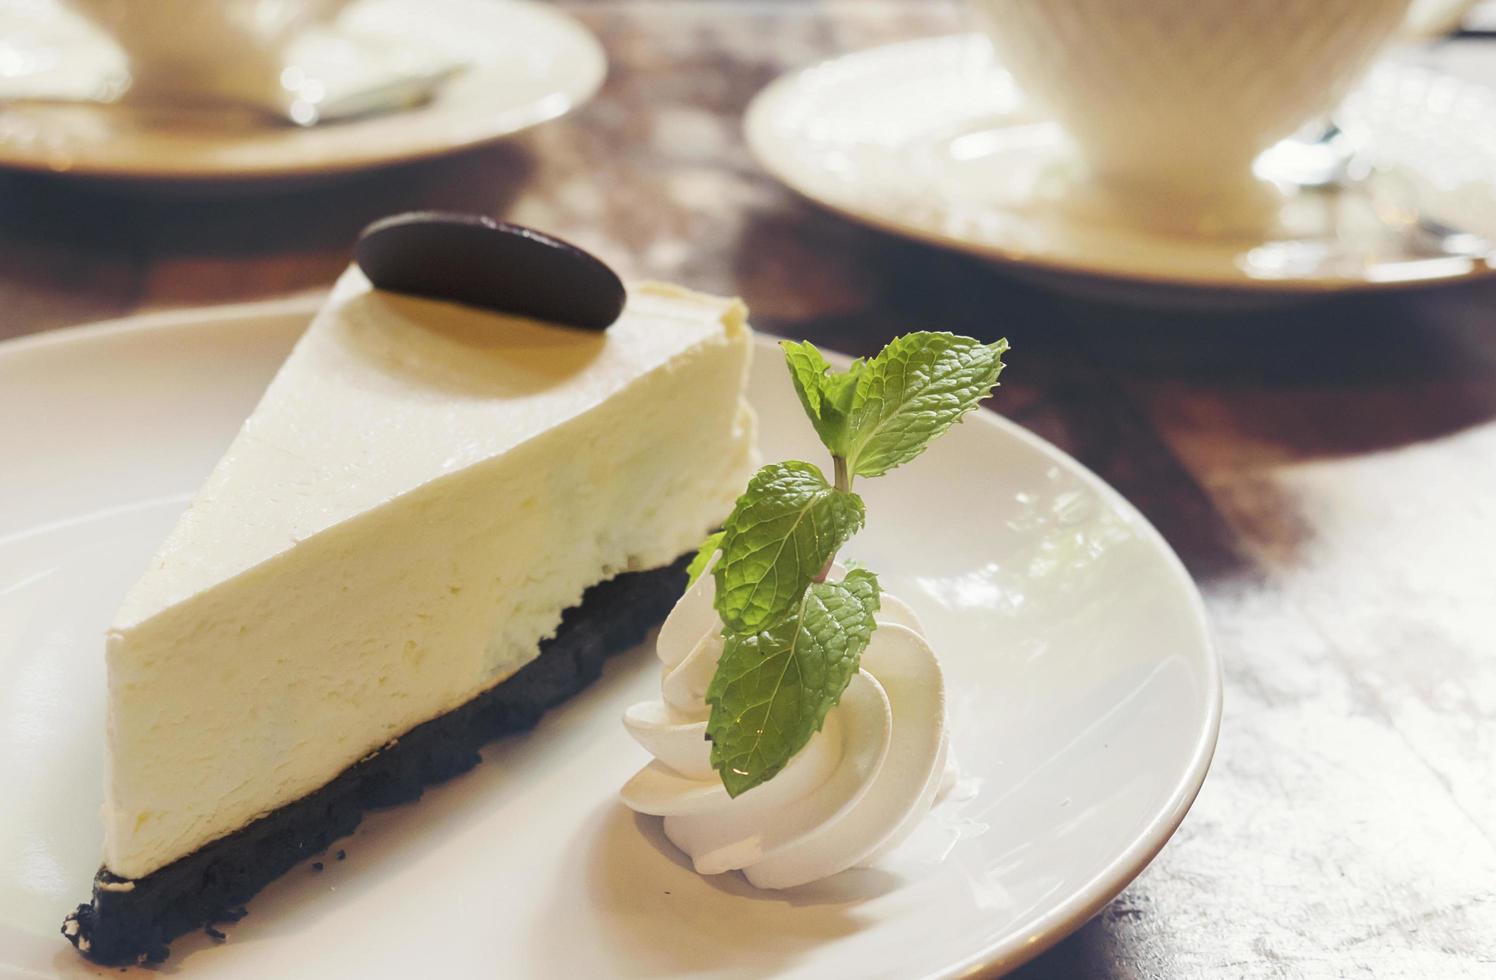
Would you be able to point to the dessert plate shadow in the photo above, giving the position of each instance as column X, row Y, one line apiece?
column 1086, row 703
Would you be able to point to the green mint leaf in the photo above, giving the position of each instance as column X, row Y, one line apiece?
column 912, row 392
column 808, row 371
column 826, row 396
column 863, row 586
column 841, row 389
column 773, row 688
column 703, row 558
column 783, row 530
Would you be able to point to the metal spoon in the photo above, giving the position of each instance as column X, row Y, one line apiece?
column 1330, row 163
column 306, row 109
column 403, row 92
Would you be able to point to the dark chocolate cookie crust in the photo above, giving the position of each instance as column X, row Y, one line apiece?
column 133, row 921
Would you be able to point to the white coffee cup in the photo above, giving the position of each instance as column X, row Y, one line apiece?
column 1169, row 101
column 205, row 50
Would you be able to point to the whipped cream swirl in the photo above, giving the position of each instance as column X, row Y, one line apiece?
column 854, row 792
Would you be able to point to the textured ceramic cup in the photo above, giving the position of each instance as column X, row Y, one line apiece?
column 205, row 50
column 1171, row 100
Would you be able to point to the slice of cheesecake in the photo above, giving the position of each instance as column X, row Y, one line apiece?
column 437, row 522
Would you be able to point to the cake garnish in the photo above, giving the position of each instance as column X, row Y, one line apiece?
column 478, row 261
column 800, row 728
column 793, row 637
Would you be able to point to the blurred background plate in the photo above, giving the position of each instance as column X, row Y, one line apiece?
column 526, row 63
column 932, row 140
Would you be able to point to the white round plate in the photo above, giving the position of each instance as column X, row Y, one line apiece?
column 1086, row 700
column 933, row 140
column 526, row 63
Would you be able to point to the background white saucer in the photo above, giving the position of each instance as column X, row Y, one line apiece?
column 528, row 63
column 1086, row 701
column 932, row 140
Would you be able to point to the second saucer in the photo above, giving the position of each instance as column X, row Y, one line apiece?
column 932, row 140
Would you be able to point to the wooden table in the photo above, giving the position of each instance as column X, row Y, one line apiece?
column 1328, row 473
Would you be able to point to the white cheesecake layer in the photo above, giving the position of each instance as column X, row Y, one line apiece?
column 421, row 493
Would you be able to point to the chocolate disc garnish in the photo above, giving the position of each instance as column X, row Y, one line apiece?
column 467, row 258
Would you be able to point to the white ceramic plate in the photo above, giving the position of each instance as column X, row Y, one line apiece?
column 527, row 63
column 931, row 139
column 1085, row 710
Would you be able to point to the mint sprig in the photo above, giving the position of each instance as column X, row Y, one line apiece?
column 793, row 641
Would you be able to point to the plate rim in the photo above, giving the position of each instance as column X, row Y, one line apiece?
column 1002, row 954
column 590, row 78
column 756, row 126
